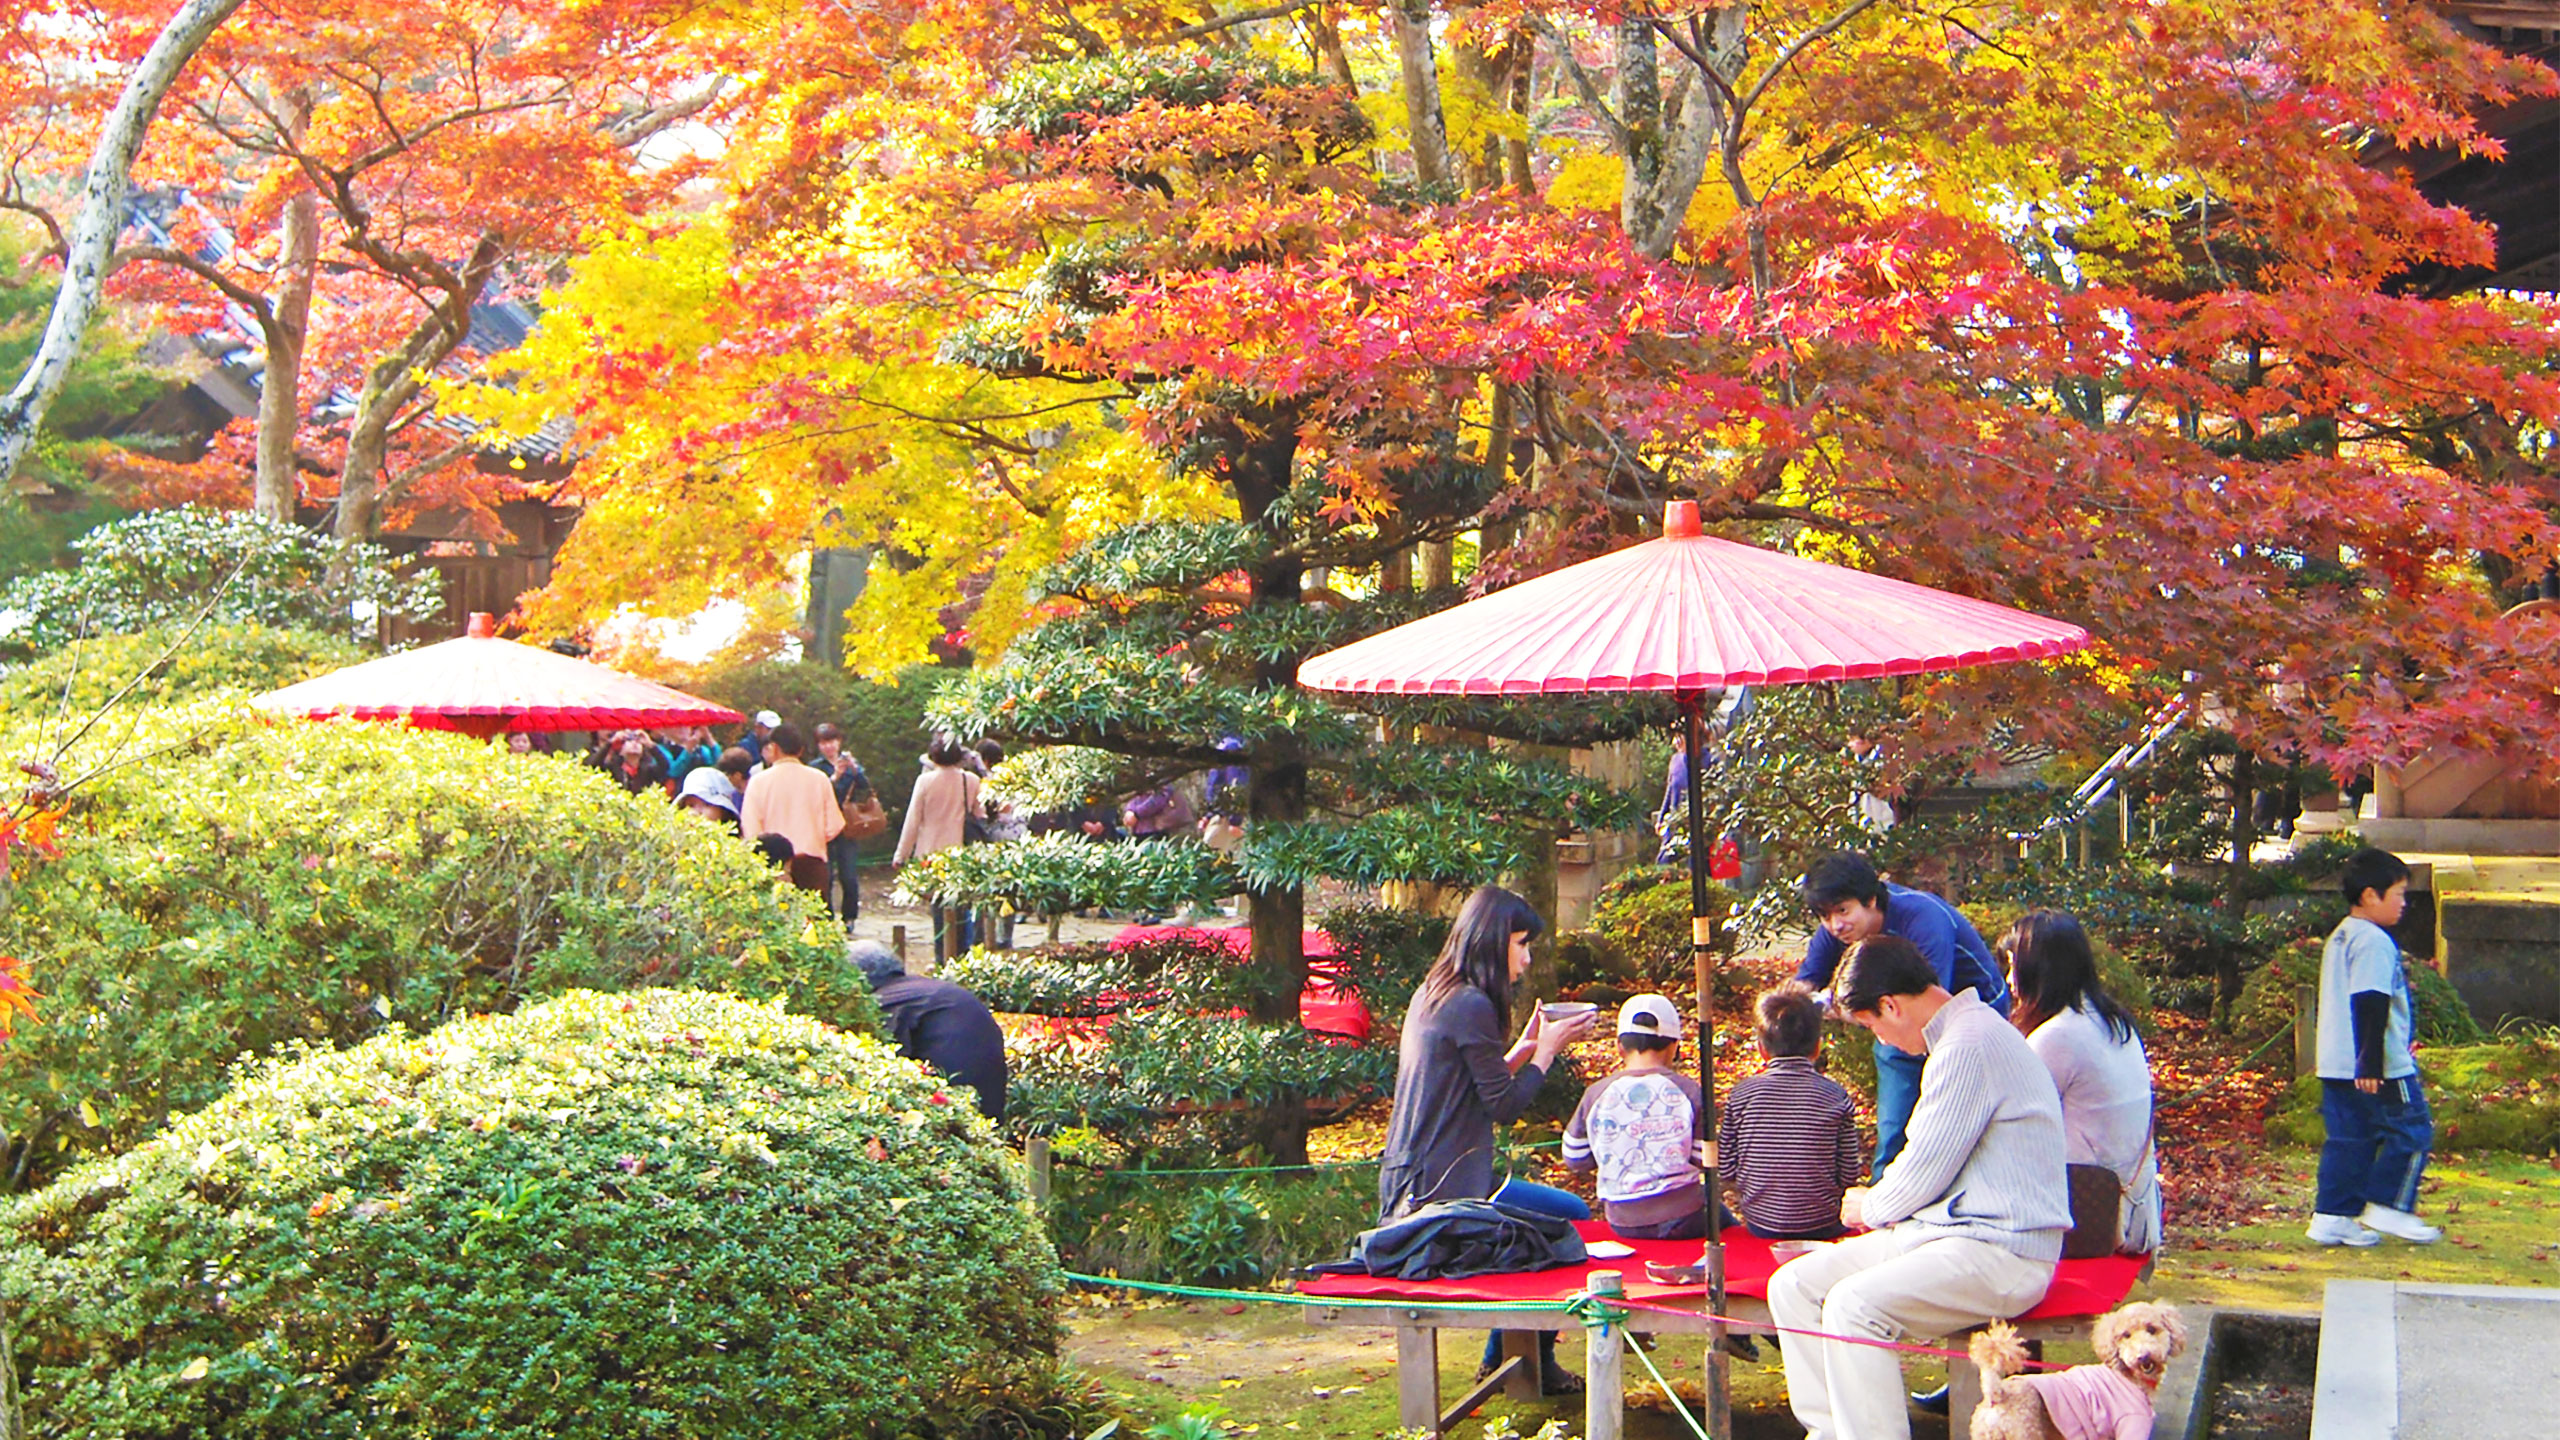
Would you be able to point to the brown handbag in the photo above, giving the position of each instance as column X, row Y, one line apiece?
column 2097, row 1208
column 865, row 817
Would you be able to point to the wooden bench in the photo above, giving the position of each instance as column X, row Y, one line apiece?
column 1419, row 1310
column 1417, row 1328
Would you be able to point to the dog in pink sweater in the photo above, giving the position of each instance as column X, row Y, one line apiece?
column 2110, row 1400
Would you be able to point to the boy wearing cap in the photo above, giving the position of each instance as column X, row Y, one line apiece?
column 1642, row 1128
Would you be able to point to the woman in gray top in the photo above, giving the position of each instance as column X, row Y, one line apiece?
column 1456, row 1080
column 2086, row 1038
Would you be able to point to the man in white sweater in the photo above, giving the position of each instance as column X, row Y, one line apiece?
column 1964, row 1226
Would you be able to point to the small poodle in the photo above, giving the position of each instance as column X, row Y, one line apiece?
column 2110, row 1400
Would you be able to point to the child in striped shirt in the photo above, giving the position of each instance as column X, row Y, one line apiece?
column 1788, row 1142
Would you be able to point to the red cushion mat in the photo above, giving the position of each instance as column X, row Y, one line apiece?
column 2080, row 1287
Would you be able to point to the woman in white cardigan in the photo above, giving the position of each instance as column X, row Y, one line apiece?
column 938, row 819
column 2088, row 1042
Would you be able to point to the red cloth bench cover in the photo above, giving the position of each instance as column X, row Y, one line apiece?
column 2080, row 1287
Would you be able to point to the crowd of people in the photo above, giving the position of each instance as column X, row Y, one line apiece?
column 799, row 797
column 806, row 803
column 2013, row 1110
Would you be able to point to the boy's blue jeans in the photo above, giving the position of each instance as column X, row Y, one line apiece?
column 1545, row 1200
column 2377, row 1148
column 1897, row 1090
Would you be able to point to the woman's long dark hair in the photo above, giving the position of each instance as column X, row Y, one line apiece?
column 2053, row 969
column 1479, row 950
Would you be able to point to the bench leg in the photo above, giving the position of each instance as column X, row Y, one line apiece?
column 1418, row 1378
column 1604, row 1404
column 1964, row 1392
column 1527, row 1379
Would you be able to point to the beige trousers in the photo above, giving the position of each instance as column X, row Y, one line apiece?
column 1902, row 1283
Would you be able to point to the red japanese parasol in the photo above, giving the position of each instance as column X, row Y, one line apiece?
column 482, row 685
column 1689, row 613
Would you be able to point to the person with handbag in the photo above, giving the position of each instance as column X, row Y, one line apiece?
column 864, row 817
column 2087, row 1041
column 938, row 818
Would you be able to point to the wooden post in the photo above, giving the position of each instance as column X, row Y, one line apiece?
column 1702, row 959
column 1418, row 1377
column 1604, row 1397
column 2306, row 1030
column 1036, row 1154
column 898, row 942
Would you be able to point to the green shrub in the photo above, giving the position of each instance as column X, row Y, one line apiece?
column 2503, row 1095
column 1171, row 1228
column 1640, row 932
column 610, row 1216
column 2123, row 979
column 168, row 566
column 1159, row 1066
column 269, row 881
column 2266, row 1004
column 78, row 680
column 1384, row 953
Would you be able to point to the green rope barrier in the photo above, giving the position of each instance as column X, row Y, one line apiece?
column 1667, row 1392
column 1318, row 1302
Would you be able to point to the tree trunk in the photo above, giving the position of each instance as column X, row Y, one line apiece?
column 2235, row 895
column 1515, row 151
column 395, row 382
column 287, row 338
column 101, row 218
column 1276, row 792
column 1419, row 74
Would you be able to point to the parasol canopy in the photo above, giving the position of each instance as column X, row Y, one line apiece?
column 1688, row 612
column 482, row 685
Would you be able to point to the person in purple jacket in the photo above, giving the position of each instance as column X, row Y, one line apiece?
column 1851, row 902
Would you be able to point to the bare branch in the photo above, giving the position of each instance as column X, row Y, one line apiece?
column 1795, row 47
column 1241, row 17
column 1583, row 85
column 256, row 304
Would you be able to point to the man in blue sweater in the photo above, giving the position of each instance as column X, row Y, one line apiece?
column 1851, row 903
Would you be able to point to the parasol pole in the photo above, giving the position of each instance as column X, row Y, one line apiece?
column 1702, row 956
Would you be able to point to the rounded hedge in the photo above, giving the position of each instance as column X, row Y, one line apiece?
column 239, row 883
column 81, row 678
column 661, row 1214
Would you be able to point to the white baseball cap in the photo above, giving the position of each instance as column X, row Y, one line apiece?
column 1649, row 1015
column 767, row 719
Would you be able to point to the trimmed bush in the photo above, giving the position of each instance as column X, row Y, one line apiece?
column 2266, row 1005
column 664, row 1214
column 79, row 679
column 164, row 567
column 2498, row 1096
column 263, row 882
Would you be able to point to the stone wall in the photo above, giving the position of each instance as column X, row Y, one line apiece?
column 2502, row 952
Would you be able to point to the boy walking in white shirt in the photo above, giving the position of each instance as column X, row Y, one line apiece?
column 2380, row 1131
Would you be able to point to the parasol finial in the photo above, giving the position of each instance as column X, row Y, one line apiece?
column 481, row 626
column 1680, row 520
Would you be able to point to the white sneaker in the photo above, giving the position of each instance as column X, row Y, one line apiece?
column 2400, row 1225
column 2340, row 1230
